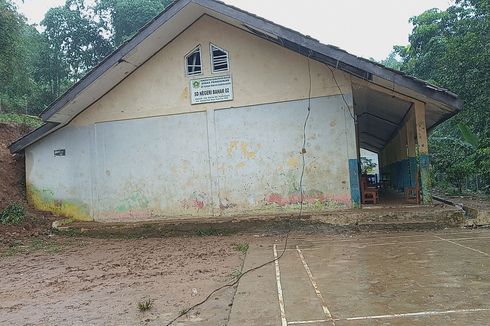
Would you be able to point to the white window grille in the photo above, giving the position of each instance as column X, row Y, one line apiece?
column 219, row 59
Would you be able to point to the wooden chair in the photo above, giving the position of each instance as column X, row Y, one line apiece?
column 369, row 195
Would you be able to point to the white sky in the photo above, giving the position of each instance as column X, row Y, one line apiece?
column 367, row 28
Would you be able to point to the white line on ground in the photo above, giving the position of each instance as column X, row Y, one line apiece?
column 304, row 322
column 375, row 237
column 459, row 244
column 416, row 314
column 363, row 245
column 404, row 315
column 279, row 289
column 315, row 286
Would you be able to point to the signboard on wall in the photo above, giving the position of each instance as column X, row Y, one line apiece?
column 209, row 90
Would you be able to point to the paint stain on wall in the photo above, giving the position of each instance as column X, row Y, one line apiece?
column 245, row 150
column 231, row 147
column 293, row 162
column 44, row 200
column 249, row 154
column 185, row 93
column 136, row 200
column 198, row 201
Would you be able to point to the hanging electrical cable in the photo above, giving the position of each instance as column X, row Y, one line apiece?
column 303, row 152
column 342, row 94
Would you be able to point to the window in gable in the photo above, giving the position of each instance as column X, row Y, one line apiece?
column 193, row 62
column 219, row 59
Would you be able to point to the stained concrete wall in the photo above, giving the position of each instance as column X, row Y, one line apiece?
column 143, row 151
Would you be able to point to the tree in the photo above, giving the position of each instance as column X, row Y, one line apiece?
column 450, row 49
column 19, row 52
column 367, row 165
column 123, row 18
column 74, row 38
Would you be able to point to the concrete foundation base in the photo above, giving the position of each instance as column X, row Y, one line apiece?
column 352, row 220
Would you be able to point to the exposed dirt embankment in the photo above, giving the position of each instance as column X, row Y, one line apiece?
column 12, row 190
column 11, row 167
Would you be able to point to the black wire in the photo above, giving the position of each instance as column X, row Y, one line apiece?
column 303, row 149
column 303, row 152
column 342, row 94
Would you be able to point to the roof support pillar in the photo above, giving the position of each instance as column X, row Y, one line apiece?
column 422, row 151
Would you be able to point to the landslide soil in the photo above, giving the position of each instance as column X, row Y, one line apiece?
column 12, row 190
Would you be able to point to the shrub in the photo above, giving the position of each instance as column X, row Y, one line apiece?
column 12, row 214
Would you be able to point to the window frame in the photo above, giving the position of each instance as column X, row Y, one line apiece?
column 186, row 63
column 211, row 56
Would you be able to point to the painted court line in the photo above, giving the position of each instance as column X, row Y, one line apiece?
column 305, row 322
column 377, row 237
column 364, row 245
column 279, row 289
column 418, row 314
column 391, row 316
column 315, row 286
column 459, row 244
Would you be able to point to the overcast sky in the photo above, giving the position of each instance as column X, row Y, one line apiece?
column 367, row 28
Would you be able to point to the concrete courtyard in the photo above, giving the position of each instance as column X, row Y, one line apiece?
column 406, row 278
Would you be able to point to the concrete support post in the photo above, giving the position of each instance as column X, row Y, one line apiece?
column 423, row 152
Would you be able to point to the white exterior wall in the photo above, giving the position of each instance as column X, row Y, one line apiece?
column 143, row 152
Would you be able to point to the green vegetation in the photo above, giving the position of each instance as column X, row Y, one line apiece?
column 13, row 214
column 32, row 122
column 47, row 246
column 38, row 66
column 236, row 273
column 450, row 49
column 367, row 165
column 145, row 305
column 241, row 247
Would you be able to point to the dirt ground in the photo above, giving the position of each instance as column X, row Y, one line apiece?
column 476, row 202
column 479, row 202
column 11, row 167
column 82, row 281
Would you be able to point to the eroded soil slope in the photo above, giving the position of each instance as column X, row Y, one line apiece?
column 11, row 167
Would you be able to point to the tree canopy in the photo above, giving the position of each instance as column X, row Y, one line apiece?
column 451, row 49
column 37, row 67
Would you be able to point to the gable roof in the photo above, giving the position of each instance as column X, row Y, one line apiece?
column 177, row 17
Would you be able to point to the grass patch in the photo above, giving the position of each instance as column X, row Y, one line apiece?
column 13, row 214
column 49, row 247
column 241, row 247
column 236, row 273
column 31, row 121
column 145, row 305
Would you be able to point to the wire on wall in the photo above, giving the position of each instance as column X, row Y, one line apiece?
column 342, row 93
column 303, row 152
column 303, row 148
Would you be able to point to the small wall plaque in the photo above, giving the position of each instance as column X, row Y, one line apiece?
column 59, row 152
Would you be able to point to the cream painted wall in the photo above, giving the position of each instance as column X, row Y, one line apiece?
column 144, row 152
column 262, row 72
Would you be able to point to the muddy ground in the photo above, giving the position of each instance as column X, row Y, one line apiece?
column 54, row 280
column 11, row 167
